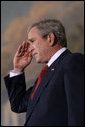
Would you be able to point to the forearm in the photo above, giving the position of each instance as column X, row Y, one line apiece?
column 17, row 93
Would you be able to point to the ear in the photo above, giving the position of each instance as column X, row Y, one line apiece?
column 51, row 39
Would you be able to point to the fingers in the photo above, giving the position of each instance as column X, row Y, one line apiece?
column 19, row 50
column 23, row 49
column 25, row 45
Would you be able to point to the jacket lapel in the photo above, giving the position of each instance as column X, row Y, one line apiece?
column 39, row 91
column 44, row 82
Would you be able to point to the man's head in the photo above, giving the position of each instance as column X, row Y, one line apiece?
column 46, row 37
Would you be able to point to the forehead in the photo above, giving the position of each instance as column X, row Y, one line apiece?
column 33, row 32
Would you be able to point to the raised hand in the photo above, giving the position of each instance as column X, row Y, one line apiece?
column 22, row 57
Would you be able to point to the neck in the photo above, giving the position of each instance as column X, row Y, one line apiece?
column 53, row 51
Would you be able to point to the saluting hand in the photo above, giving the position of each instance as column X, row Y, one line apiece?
column 22, row 57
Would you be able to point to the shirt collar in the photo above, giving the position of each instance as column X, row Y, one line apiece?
column 55, row 56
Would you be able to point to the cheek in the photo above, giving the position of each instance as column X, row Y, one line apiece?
column 43, row 51
column 42, row 48
column 39, row 47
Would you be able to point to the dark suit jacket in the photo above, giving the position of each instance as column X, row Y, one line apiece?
column 59, row 99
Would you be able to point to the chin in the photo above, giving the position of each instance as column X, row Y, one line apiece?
column 38, row 60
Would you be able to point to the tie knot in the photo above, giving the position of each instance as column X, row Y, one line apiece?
column 45, row 68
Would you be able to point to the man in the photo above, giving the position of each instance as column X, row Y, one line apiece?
column 58, row 99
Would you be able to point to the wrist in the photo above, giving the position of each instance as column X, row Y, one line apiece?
column 18, row 70
column 13, row 74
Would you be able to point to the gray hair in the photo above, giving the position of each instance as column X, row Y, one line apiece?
column 51, row 26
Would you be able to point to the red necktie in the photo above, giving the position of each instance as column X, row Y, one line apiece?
column 39, row 79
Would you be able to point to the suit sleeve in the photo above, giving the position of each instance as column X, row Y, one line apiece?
column 17, row 93
column 74, row 88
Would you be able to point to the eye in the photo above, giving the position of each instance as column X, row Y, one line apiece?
column 32, row 41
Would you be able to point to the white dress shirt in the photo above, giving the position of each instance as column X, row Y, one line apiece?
column 53, row 58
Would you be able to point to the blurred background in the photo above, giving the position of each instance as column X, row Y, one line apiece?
column 16, row 16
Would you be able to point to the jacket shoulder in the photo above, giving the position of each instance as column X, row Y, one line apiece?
column 73, row 60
